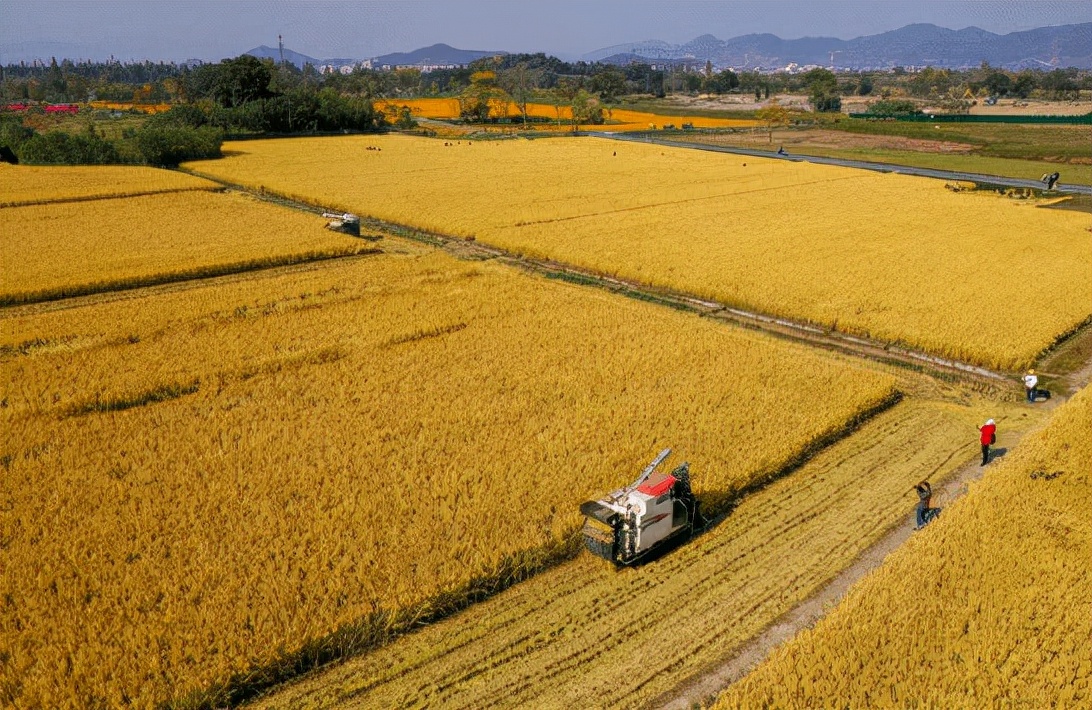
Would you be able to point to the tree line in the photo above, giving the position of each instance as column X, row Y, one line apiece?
column 247, row 95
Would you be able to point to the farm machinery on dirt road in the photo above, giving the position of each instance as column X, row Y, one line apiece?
column 648, row 516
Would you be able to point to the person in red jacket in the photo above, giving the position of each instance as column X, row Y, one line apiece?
column 988, row 436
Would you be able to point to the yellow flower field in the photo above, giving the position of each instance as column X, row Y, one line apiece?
column 990, row 606
column 37, row 184
column 203, row 479
column 616, row 119
column 901, row 259
column 73, row 248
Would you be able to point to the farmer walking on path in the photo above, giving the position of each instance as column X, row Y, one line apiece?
column 1031, row 381
column 924, row 512
column 989, row 436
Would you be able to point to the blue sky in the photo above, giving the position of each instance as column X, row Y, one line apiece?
column 177, row 30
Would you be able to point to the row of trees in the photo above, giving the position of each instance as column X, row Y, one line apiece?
column 237, row 95
column 251, row 79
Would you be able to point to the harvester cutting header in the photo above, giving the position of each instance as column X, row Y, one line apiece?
column 632, row 523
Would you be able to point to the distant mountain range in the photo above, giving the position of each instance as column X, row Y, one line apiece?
column 913, row 45
column 437, row 54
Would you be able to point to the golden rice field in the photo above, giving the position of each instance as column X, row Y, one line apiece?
column 200, row 480
column 616, row 119
column 584, row 635
column 38, row 184
column 891, row 257
column 991, row 606
column 56, row 250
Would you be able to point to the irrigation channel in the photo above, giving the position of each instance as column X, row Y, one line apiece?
column 978, row 178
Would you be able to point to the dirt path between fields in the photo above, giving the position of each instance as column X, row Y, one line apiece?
column 704, row 688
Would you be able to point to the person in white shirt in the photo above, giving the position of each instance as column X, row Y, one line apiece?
column 1030, row 383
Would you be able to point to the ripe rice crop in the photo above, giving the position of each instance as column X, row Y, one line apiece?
column 34, row 184
column 990, row 606
column 153, row 239
column 901, row 259
column 583, row 635
column 616, row 119
column 202, row 480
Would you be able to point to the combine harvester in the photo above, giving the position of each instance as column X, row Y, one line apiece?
column 345, row 223
column 632, row 524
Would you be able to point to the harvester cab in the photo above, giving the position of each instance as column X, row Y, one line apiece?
column 633, row 523
column 344, row 223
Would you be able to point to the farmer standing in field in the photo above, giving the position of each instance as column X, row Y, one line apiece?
column 988, row 437
column 1031, row 381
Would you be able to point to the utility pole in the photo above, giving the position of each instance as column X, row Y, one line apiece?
column 280, row 46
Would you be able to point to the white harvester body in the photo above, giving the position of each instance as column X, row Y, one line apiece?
column 346, row 223
column 631, row 523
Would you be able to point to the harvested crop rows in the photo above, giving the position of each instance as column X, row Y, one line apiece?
column 584, row 635
column 790, row 239
column 992, row 605
column 144, row 240
column 235, row 470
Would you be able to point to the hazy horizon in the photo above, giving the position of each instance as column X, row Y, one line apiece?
column 211, row 30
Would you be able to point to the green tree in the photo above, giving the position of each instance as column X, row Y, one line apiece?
column 998, row 83
column 585, row 109
column 822, row 87
column 893, row 107
column 722, row 82
column 608, row 84
column 1024, row 83
column 521, row 82
column 1060, row 84
column 234, row 82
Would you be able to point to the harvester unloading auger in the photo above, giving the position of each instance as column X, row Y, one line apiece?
column 345, row 223
column 647, row 516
